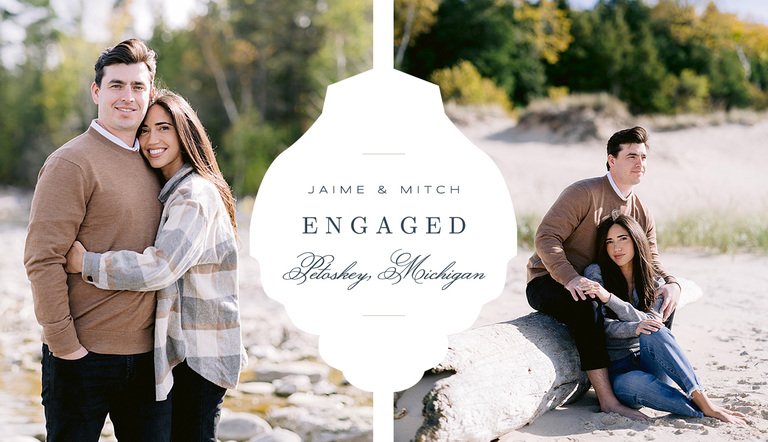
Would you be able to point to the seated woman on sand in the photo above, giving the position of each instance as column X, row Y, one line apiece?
column 645, row 357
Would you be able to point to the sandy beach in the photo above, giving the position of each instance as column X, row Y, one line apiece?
column 714, row 169
column 725, row 335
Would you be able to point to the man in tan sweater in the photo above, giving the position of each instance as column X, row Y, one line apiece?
column 97, row 188
column 565, row 246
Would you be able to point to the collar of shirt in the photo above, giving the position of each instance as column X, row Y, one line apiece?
column 114, row 139
column 616, row 189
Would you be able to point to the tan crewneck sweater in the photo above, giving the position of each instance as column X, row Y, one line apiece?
column 565, row 239
column 105, row 196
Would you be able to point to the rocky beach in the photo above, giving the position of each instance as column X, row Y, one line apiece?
column 286, row 394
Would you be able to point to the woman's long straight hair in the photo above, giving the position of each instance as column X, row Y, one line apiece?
column 644, row 273
column 196, row 147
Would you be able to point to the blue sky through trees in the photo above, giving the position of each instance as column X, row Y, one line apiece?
column 748, row 10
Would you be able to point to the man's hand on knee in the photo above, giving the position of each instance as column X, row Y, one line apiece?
column 671, row 294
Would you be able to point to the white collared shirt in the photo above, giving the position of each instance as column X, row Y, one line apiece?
column 114, row 139
column 616, row 189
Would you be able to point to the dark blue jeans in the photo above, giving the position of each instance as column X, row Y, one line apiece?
column 646, row 378
column 196, row 406
column 78, row 395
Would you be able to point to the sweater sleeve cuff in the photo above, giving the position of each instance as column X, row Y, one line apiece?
column 64, row 341
column 565, row 277
column 627, row 330
column 614, row 303
column 91, row 267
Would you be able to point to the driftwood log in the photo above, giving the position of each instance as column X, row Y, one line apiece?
column 500, row 377
column 504, row 376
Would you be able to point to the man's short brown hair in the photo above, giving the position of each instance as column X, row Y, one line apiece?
column 130, row 51
column 635, row 135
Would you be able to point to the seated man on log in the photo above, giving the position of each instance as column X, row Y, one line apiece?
column 565, row 246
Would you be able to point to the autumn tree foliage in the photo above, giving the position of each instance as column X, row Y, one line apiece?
column 661, row 58
column 257, row 70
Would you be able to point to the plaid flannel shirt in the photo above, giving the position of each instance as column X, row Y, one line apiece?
column 193, row 265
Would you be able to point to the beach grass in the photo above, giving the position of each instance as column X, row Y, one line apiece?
column 717, row 232
column 527, row 224
column 665, row 123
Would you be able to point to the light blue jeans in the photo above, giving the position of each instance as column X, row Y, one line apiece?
column 646, row 377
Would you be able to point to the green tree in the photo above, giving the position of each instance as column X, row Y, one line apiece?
column 692, row 94
column 464, row 85
column 346, row 50
column 412, row 18
column 487, row 34
column 614, row 51
column 729, row 83
column 548, row 28
column 258, row 68
column 728, row 52
column 594, row 61
column 642, row 74
column 251, row 146
column 48, row 92
column 26, row 137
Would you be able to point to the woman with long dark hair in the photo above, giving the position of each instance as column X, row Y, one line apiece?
column 646, row 360
column 193, row 265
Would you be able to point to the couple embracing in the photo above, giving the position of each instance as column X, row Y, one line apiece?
column 146, row 330
column 596, row 268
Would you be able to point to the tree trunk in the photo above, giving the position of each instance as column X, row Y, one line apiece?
column 406, row 40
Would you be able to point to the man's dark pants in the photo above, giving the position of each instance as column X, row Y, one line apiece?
column 583, row 318
column 78, row 395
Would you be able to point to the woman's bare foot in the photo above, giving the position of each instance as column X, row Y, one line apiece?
column 609, row 403
column 625, row 411
column 711, row 410
column 733, row 412
column 726, row 416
